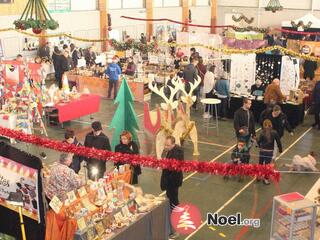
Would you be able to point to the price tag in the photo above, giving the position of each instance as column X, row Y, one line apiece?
column 81, row 224
column 56, row 204
column 72, row 196
column 82, row 192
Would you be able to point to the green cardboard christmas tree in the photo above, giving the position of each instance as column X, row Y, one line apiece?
column 125, row 117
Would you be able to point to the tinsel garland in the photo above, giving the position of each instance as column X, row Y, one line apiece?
column 214, row 168
column 244, row 18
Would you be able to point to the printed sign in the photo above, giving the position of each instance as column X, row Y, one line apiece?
column 15, row 177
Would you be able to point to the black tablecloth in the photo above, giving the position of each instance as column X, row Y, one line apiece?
column 295, row 113
column 154, row 225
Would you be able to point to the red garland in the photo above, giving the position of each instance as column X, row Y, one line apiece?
column 297, row 32
column 173, row 21
column 214, row 168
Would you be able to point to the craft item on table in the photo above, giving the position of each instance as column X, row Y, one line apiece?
column 91, row 234
column 65, row 84
column 100, row 229
column 82, row 192
column 71, row 196
column 56, row 204
column 296, row 96
column 86, row 91
column 82, row 225
column 88, row 205
column 125, row 117
column 242, row 73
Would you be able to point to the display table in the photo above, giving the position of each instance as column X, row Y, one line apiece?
column 100, row 86
column 294, row 112
column 87, row 104
column 152, row 225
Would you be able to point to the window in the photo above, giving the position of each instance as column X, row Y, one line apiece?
column 83, row 5
column 202, row 2
column 157, row 3
column 6, row 1
column 115, row 4
column 171, row 3
column 133, row 4
column 59, row 5
column 166, row 3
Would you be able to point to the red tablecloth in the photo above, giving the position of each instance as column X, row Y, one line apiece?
column 85, row 105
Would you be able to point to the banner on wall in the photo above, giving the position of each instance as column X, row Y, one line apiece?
column 308, row 47
column 290, row 74
column 15, row 177
column 243, row 73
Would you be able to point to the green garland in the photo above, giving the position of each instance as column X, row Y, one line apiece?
column 244, row 18
column 249, row 28
column 131, row 44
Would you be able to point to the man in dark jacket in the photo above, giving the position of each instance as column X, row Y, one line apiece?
column 70, row 138
column 316, row 100
column 190, row 74
column 279, row 121
column 62, row 67
column 75, row 56
column 172, row 180
column 98, row 140
column 243, row 122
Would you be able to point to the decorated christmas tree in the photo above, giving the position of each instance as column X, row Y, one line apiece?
column 125, row 117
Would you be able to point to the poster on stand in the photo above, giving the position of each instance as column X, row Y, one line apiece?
column 243, row 71
column 15, row 177
column 290, row 74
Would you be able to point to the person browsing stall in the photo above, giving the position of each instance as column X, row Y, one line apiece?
column 273, row 93
column 257, row 89
column 266, row 142
column 222, row 87
column 244, row 123
column 279, row 121
column 128, row 146
column 131, row 67
column 70, row 138
column 172, row 180
column 62, row 179
column 113, row 72
column 208, row 88
column 98, row 140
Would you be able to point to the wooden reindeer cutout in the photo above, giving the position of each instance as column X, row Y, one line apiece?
column 168, row 107
column 184, row 127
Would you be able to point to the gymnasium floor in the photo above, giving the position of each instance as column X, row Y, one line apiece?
column 213, row 193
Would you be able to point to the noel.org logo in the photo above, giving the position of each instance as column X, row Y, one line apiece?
column 185, row 218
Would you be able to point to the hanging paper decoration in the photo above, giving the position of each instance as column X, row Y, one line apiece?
column 37, row 17
column 244, row 18
column 273, row 6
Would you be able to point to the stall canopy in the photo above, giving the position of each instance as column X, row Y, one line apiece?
column 307, row 23
column 305, row 20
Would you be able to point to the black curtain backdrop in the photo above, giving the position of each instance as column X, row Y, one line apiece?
column 268, row 67
column 9, row 220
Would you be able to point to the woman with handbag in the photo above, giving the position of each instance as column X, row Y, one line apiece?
column 128, row 146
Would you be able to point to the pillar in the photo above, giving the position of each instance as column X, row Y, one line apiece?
column 214, row 8
column 103, row 23
column 185, row 14
column 149, row 24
